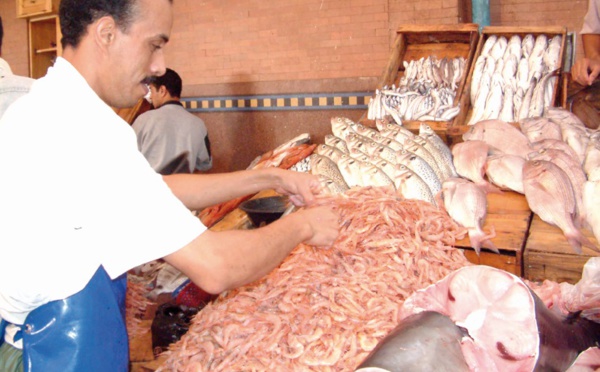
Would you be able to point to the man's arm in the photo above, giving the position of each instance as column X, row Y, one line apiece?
column 219, row 261
column 586, row 70
column 198, row 191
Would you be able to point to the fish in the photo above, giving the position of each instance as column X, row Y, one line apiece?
column 466, row 203
column 591, row 202
column 527, row 46
column 501, row 136
column 427, row 341
column 550, row 195
column 322, row 165
column 513, row 49
column 331, row 152
column 539, row 47
column 554, row 144
column 522, row 76
column 574, row 171
column 540, row 128
column 427, row 132
column 509, row 327
column 470, row 160
column 536, row 107
column 330, row 186
column 505, row 171
column 418, row 149
column 476, row 76
column 340, row 127
column 336, row 142
column 350, row 170
column 480, row 101
column 499, row 48
column 591, row 163
column 437, row 155
column 411, row 186
column 488, row 45
column 552, row 53
column 574, row 132
column 373, row 175
column 509, row 72
column 493, row 103
column 525, row 105
column 422, row 169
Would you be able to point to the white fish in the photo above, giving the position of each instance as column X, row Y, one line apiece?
column 574, row 132
column 591, row 201
column 591, row 164
column 322, row 165
column 559, row 144
column 527, row 46
column 552, row 53
column 479, row 104
column 499, row 48
column 427, row 132
column 336, row 142
column 549, row 194
column 416, row 164
column 466, row 203
column 340, row 128
column 509, row 72
column 523, row 75
column 514, row 48
column 505, row 171
column 488, row 45
column 476, row 76
column 524, row 109
column 493, row 104
column 539, row 47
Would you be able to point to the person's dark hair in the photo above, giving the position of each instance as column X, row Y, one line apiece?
column 76, row 15
column 171, row 80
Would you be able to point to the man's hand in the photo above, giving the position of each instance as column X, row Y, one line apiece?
column 585, row 71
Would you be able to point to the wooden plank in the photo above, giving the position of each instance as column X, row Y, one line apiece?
column 503, row 261
column 508, row 213
column 391, row 71
column 548, row 255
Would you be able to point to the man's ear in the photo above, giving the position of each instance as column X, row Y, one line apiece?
column 104, row 30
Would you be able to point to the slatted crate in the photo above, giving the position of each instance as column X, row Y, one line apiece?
column 460, row 126
column 548, row 255
column 440, row 41
column 510, row 216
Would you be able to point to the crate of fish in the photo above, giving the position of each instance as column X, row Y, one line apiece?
column 425, row 76
column 515, row 75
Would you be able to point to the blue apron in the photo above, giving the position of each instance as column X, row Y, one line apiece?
column 84, row 332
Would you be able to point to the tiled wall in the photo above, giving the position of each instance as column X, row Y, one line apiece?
column 281, row 52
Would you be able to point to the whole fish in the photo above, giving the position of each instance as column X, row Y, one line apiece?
column 513, row 48
column 540, row 128
column 539, row 47
column 550, row 195
column 330, row 186
column 523, row 80
column 536, row 107
column 427, row 132
column 322, row 165
column 350, row 170
column 573, row 131
column 418, row 149
column 364, row 130
column 336, row 142
column 527, row 46
column 574, row 171
column 493, row 104
column 554, row 144
column 470, row 159
column 374, row 176
column 591, row 164
column 411, row 186
column 509, row 72
column 552, row 53
column 499, row 48
column 340, row 127
column 466, row 203
column 480, row 101
column 437, row 155
column 422, row 169
column 476, row 76
column 488, row 45
column 331, row 152
column 500, row 135
column 524, row 109
column 505, row 171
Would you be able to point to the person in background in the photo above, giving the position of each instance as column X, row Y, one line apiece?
column 94, row 208
column 11, row 86
column 585, row 70
column 168, row 131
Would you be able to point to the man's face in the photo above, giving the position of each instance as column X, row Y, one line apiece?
column 138, row 54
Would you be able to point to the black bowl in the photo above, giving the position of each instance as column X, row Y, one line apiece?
column 263, row 211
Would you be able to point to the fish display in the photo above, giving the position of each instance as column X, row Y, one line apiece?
column 514, row 79
column 500, row 136
column 426, row 91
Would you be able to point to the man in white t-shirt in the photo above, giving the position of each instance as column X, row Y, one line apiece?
column 94, row 208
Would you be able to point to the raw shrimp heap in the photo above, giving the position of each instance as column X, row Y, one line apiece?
column 326, row 309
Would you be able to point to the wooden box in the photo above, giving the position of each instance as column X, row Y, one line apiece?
column 440, row 41
column 548, row 255
column 28, row 8
column 461, row 124
column 510, row 216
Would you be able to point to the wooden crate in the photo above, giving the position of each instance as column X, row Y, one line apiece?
column 441, row 41
column 510, row 216
column 548, row 255
column 460, row 124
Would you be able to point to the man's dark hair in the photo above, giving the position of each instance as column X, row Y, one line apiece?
column 171, row 80
column 76, row 15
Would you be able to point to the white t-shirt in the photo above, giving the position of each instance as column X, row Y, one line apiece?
column 75, row 193
column 591, row 22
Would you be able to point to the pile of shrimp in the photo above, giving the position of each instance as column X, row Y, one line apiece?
column 326, row 309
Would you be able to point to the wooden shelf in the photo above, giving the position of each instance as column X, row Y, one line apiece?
column 30, row 8
column 44, row 44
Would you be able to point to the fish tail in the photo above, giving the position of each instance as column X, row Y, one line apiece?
column 479, row 238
